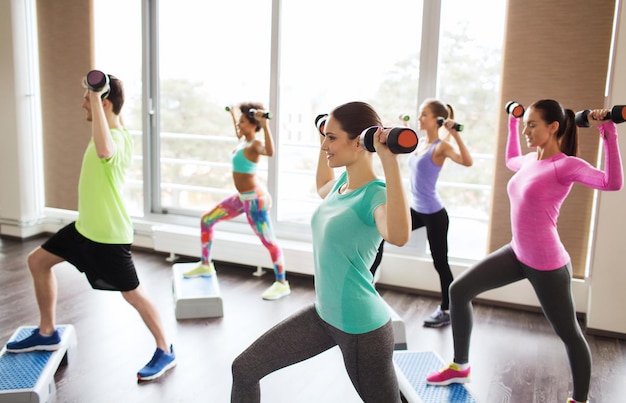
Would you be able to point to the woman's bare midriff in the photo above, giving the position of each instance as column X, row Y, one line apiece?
column 244, row 182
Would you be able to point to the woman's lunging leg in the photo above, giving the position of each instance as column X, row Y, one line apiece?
column 368, row 358
column 295, row 339
column 437, row 225
column 227, row 209
column 496, row 270
column 554, row 291
column 257, row 212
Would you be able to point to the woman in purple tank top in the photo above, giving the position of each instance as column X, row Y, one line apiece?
column 427, row 209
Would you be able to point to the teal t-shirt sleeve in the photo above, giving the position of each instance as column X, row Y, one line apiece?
column 375, row 195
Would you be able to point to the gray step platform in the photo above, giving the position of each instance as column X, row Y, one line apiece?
column 412, row 368
column 29, row 377
column 399, row 331
column 195, row 297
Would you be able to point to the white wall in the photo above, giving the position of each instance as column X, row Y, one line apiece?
column 608, row 267
column 21, row 191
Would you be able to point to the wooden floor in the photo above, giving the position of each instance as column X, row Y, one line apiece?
column 515, row 355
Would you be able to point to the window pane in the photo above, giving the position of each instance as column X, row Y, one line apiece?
column 470, row 61
column 334, row 52
column 211, row 54
column 118, row 52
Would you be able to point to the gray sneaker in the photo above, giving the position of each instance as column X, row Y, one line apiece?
column 438, row 318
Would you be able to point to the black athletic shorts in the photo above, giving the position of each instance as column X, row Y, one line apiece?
column 107, row 266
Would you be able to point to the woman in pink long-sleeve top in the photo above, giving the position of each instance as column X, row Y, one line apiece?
column 542, row 180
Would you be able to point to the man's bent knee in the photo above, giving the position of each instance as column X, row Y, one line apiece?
column 41, row 260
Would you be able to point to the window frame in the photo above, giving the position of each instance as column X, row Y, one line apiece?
column 153, row 208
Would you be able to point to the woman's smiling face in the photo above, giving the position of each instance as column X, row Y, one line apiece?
column 338, row 146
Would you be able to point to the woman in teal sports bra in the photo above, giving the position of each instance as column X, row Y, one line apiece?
column 251, row 198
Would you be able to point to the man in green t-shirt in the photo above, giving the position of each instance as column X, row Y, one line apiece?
column 98, row 243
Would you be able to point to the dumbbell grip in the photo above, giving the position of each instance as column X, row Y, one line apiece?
column 252, row 112
column 400, row 140
column 617, row 114
column 457, row 126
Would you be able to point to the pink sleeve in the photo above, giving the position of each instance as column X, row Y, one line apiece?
column 612, row 158
column 611, row 178
column 513, row 157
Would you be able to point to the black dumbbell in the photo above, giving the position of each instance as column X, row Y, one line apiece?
column 617, row 115
column 401, row 140
column 515, row 109
column 96, row 81
column 320, row 122
column 457, row 126
column 252, row 112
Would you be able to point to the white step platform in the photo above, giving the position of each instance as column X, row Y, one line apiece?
column 29, row 377
column 399, row 331
column 195, row 297
column 412, row 368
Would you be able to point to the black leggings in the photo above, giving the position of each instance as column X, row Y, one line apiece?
column 553, row 289
column 367, row 357
column 437, row 232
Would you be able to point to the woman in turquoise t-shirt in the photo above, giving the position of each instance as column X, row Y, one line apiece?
column 358, row 211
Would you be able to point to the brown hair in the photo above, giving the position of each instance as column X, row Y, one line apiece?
column 354, row 117
column 116, row 93
column 439, row 109
column 567, row 135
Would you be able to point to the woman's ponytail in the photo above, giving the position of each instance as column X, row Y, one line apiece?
column 568, row 137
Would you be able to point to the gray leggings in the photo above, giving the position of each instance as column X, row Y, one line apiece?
column 367, row 356
column 553, row 289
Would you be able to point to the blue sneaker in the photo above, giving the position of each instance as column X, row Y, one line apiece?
column 35, row 342
column 158, row 365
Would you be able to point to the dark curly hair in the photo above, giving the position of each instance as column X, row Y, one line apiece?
column 245, row 107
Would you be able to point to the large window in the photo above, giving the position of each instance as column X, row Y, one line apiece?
column 468, row 78
column 118, row 51
column 300, row 59
column 210, row 55
column 328, row 57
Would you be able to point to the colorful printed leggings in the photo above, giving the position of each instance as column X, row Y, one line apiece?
column 553, row 289
column 256, row 204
